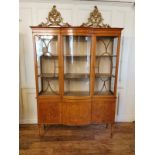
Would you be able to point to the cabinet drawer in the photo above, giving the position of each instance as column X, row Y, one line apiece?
column 76, row 112
column 49, row 112
column 103, row 111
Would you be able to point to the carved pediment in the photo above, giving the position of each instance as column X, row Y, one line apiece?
column 95, row 20
column 54, row 19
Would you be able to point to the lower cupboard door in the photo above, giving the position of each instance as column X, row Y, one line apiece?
column 76, row 113
column 49, row 112
column 103, row 111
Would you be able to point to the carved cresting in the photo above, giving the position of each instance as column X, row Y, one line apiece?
column 95, row 20
column 54, row 19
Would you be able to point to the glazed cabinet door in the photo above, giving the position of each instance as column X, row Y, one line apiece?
column 105, row 65
column 76, row 61
column 47, row 65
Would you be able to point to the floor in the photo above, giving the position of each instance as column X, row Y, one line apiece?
column 84, row 140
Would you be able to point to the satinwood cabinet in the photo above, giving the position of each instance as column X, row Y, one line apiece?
column 76, row 71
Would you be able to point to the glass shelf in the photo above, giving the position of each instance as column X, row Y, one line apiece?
column 76, row 75
column 76, row 55
column 89, row 55
column 103, row 75
column 48, row 75
column 103, row 93
column 76, row 93
column 106, row 56
column 86, row 93
column 48, row 93
column 50, row 56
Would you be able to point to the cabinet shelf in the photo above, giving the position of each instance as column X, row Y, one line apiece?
column 98, row 56
column 67, row 56
column 86, row 75
column 76, row 93
column 48, row 93
column 76, row 56
column 89, row 56
column 86, row 93
column 75, row 75
column 103, row 75
column 103, row 93
column 49, row 75
column 50, row 56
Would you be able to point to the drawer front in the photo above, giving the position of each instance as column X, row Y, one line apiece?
column 49, row 112
column 76, row 112
column 103, row 111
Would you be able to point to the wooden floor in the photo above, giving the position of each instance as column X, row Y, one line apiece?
column 85, row 140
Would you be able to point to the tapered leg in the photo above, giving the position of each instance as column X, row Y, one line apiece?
column 111, row 130
column 41, row 129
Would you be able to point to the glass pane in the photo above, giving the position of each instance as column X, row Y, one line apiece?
column 76, row 65
column 47, row 63
column 105, row 65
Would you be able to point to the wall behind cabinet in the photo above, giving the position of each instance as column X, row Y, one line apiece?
column 75, row 13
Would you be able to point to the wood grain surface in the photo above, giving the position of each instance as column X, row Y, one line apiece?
column 77, row 140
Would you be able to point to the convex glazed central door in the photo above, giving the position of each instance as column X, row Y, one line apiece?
column 76, row 56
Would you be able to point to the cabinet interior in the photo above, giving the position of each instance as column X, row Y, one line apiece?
column 77, row 58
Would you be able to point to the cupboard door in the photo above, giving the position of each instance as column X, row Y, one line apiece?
column 103, row 111
column 47, row 67
column 49, row 112
column 76, row 112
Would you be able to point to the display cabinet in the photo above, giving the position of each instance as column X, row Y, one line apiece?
column 76, row 71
